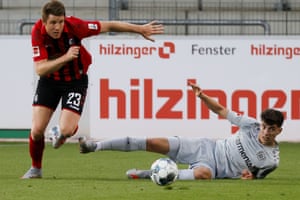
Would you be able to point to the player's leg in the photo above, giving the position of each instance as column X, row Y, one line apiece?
column 68, row 122
column 68, row 126
column 116, row 144
column 157, row 145
column 198, row 153
column 167, row 146
column 40, row 118
column 196, row 173
column 73, row 99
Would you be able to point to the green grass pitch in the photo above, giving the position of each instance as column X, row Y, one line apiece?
column 69, row 175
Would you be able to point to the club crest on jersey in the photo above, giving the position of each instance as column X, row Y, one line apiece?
column 36, row 51
column 92, row 26
column 261, row 156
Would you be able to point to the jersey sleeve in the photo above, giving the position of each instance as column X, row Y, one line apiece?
column 38, row 48
column 84, row 28
column 240, row 120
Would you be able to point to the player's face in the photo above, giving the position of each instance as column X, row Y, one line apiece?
column 268, row 133
column 54, row 26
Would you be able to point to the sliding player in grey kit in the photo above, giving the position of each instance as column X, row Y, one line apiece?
column 251, row 153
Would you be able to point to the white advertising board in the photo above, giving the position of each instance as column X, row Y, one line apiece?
column 16, row 82
column 139, row 88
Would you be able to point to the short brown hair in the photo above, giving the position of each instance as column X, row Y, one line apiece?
column 271, row 116
column 53, row 8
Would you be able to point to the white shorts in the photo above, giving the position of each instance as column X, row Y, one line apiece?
column 196, row 152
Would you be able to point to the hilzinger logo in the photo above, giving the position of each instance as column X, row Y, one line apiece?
column 274, row 50
column 137, row 52
column 167, row 46
column 139, row 101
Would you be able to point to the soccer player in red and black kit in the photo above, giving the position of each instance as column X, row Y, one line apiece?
column 62, row 63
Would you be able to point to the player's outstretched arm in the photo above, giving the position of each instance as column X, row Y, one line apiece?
column 212, row 104
column 146, row 30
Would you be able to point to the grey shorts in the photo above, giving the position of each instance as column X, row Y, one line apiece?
column 196, row 152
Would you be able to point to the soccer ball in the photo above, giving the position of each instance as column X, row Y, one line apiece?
column 164, row 171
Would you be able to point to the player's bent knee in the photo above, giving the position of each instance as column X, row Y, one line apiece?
column 37, row 132
column 151, row 144
column 68, row 130
column 202, row 173
column 37, row 136
column 158, row 145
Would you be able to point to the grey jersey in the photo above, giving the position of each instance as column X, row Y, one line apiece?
column 243, row 151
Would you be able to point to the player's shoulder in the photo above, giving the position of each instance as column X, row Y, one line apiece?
column 81, row 26
column 37, row 25
column 73, row 20
column 75, row 24
column 36, row 31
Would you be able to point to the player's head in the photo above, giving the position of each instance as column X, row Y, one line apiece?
column 272, row 117
column 53, row 7
column 271, row 122
column 53, row 17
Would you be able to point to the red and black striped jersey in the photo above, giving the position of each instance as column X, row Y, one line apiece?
column 45, row 47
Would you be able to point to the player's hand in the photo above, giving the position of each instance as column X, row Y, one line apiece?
column 150, row 29
column 246, row 175
column 73, row 53
column 197, row 90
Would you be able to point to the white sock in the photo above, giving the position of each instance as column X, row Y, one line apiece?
column 186, row 174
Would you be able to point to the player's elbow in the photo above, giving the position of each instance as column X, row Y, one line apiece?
column 39, row 69
column 222, row 112
column 39, row 72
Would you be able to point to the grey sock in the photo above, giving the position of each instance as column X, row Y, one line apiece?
column 122, row 144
